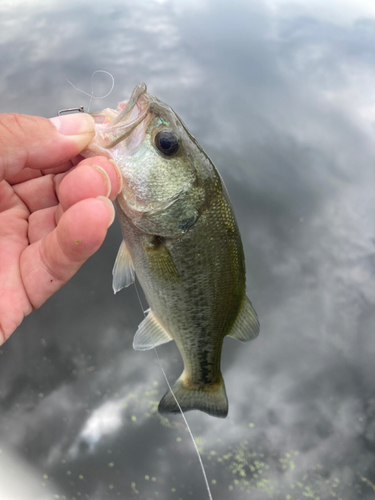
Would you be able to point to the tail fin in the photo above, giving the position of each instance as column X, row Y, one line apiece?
column 211, row 399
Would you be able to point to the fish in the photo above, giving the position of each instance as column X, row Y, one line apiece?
column 181, row 239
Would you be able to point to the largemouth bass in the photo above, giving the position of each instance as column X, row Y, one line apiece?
column 181, row 239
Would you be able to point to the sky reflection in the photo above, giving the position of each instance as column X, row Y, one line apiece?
column 281, row 97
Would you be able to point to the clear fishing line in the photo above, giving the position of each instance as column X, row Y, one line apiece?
column 92, row 87
column 187, row 426
column 179, row 407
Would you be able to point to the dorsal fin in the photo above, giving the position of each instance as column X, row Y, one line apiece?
column 123, row 270
column 150, row 334
column 246, row 325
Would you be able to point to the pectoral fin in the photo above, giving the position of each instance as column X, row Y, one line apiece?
column 150, row 334
column 123, row 270
column 246, row 325
column 171, row 220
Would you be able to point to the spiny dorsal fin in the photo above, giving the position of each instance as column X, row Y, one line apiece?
column 123, row 270
column 246, row 325
column 150, row 334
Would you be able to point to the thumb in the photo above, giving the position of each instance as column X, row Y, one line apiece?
column 39, row 143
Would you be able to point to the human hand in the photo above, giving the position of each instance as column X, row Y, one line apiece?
column 53, row 217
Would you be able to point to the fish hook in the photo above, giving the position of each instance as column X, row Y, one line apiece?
column 80, row 109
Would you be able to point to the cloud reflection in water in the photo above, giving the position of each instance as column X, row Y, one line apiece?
column 281, row 97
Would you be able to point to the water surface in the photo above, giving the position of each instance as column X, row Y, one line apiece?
column 281, row 96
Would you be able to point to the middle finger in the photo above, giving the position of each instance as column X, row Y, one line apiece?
column 91, row 178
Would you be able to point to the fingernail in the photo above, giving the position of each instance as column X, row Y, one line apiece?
column 106, row 178
column 74, row 124
column 118, row 172
column 109, row 204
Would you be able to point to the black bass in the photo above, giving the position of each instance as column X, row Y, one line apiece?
column 181, row 239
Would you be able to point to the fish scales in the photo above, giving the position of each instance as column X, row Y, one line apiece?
column 182, row 240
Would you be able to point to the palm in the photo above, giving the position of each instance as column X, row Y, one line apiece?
column 50, row 223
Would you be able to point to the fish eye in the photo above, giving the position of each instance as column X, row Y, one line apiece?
column 166, row 142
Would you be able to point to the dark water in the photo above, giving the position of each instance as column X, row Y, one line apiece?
column 281, row 96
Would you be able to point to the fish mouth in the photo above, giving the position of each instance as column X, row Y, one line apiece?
column 113, row 126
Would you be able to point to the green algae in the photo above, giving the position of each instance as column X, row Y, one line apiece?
column 243, row 468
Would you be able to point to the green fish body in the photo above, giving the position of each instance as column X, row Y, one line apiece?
column 182, row 240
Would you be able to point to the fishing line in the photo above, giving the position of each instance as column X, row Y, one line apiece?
column 179, row 407
column 139, row 299
column 92, row 87
column 187, row 426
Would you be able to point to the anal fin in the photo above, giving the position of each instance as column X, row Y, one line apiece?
column 123, row 270
column 246, row 325
column 150, row 334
